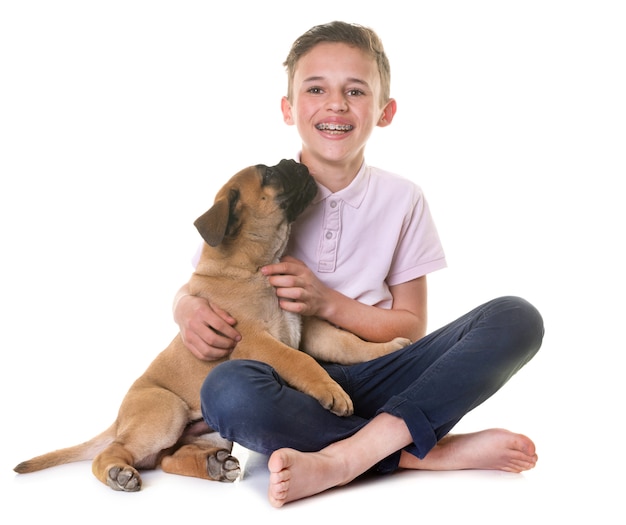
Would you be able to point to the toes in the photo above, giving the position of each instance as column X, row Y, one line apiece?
column 278, row 494
column 279, row 491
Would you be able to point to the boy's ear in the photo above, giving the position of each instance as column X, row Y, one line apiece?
column 285, row 107
column 388, row 113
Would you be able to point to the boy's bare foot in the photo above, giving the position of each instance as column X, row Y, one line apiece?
column 295, row 475
column 493, row 449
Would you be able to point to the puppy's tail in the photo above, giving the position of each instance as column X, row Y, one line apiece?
column 85, row 451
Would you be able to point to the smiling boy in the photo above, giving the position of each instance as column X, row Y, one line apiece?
column 359, row 257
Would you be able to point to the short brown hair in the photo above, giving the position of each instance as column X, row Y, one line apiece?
column 354, row 35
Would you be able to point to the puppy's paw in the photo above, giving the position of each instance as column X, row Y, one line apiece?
column 221, row 466
column 398, row 343
column 342, row 408
column 125, row 478
column 337, row 401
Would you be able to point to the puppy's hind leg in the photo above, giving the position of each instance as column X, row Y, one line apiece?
column 328, row 343
column 202, row 459
column 150, row 420
column 114, row 468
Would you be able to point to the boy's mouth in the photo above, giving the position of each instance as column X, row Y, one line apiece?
column 334, row 128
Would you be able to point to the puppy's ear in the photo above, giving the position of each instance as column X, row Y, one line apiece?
column 212, row 224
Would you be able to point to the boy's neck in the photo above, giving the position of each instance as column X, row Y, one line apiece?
column 334, row 176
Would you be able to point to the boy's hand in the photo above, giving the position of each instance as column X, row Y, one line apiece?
column 207, row 330
column 297, row 287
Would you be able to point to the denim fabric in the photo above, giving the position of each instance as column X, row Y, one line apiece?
column 431, row 384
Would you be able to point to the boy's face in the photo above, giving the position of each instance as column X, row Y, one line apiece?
column 336, row 104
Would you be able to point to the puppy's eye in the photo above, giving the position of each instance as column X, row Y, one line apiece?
column 267, row 177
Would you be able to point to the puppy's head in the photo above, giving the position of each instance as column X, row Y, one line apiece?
column 258, row 202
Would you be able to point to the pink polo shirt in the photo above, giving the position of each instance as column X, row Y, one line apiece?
column 376, row 233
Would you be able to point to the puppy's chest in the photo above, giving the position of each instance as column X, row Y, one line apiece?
column 287, row 328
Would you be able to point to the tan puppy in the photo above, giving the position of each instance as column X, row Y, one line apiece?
column 159, row 421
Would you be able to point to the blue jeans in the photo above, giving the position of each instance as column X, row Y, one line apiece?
column 431, row 384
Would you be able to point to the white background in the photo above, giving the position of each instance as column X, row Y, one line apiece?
column 120, row 120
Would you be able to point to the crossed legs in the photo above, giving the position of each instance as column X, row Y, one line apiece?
column 407, row 403
column 295, row 475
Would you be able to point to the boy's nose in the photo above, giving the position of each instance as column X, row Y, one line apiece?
column 338, row 103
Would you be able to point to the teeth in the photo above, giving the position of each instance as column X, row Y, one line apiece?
column 334, row 127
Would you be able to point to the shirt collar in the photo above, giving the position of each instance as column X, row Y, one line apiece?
column 353, row 194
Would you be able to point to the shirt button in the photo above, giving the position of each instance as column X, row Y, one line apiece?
column 329, row 235
column 333, row 204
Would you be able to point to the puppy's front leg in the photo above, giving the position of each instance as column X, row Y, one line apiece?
column 300, row 370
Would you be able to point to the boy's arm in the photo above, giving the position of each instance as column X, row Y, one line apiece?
column 300, row 291
column 207, row 330
column 407, row 317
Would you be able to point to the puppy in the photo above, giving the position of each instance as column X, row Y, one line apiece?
column 159, row 421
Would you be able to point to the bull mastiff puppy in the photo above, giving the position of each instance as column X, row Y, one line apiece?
column 159, row 421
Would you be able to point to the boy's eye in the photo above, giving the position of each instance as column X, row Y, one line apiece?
column 350, row 92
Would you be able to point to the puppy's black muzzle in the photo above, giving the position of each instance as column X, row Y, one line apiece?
column 296, row 186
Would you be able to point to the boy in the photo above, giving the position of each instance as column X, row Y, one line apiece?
column 358, row 257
